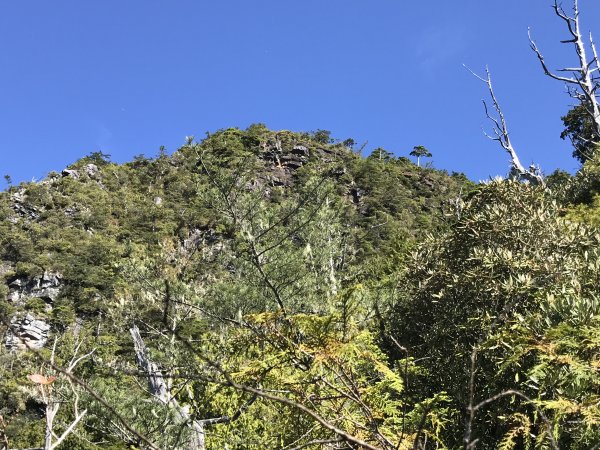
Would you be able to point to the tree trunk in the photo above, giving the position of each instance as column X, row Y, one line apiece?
column 159, row 390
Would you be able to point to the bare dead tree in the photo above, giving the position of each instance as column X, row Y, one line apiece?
column 582, row 80
column 53, row 403
column 159, row 389
column 74, row 381
column 3, row 436
column 502, row 136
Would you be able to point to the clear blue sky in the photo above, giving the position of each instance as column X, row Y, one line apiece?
column 127, row 76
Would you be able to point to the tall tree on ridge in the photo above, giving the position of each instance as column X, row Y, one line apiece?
column 420, row 152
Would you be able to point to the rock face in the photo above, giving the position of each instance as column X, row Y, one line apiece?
column 300, row 150
column 296, row 158
column 91, row 170
column 22, row 207
column 27, row 332
column 46, row 286
column 284, row 162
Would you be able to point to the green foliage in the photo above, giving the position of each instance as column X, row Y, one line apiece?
column 579, row 129
column 322, row 136
column 517, row 281
column 357, row 289
column 98, row 157
column 267, row 252
column 312, row 377
column 420, row 152
column 381, row 154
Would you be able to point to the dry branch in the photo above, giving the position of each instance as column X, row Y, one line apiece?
column 582, row 84
column 502, row 136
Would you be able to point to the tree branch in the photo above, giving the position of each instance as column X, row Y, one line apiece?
column 583, row 75
column 159, row 389
column 500, row 130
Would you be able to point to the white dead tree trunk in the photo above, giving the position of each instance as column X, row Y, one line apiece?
column 53, row 403
column 582, row 84
column 502, row 136
column 159, row 389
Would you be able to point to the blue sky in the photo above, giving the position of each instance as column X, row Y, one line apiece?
column 127, row 76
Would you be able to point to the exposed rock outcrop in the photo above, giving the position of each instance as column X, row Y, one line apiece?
column 22, row 207
column 72, row 173
column 91, row 170
column 27, row 332
column 46, row 286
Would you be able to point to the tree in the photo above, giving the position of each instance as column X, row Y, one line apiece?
column 581, row 132
column 583, row 122
column 502, row 136
column 53, row 402
column 161, row 391
column 381, row 154
column 98, row 157
column 283, row 321
column 420, row 152
column 512, row 279
column 349, row 143
column 322, row 136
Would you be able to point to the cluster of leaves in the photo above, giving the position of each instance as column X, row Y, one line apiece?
column 512, row 285
column 581, row 132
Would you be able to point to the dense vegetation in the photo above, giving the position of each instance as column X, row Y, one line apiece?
column 266, row 289
column 271, row 289
column 251, row 246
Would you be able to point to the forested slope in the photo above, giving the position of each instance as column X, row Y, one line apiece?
column 269, row 289
column 259, row 255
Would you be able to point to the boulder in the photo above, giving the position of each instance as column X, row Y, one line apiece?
column 300, row 150
column 72, row 173
column 91, row 170
column 293, row 161
column 22, row 207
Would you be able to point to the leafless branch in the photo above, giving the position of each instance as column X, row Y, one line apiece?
column 582, row 76
column 77, row 381
column 421, row 426
column 502, row 136
column 315, row 442
column 315, row 416
column 472, row 408
column 547, row 71
column 3, row 436
column 68, row 431
column 516, row 393
column 106, row 405
column 227, row 380
column 159, row 390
